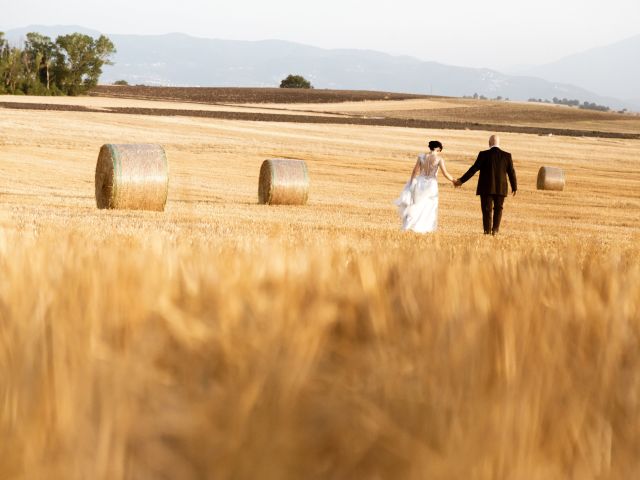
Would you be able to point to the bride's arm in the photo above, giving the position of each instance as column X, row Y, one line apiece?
column 443, row 167
column 416, row 170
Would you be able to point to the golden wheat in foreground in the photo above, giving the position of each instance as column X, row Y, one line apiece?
column 222, row 339
column 166, row 358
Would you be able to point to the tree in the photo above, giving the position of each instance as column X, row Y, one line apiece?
column 12, row 69
column 3, row 47
column 41, row 51
column 70, row 65
column 79, row 61
column 295, row 81
column 121, row 82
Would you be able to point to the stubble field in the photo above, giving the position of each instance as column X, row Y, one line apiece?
column 224, row 339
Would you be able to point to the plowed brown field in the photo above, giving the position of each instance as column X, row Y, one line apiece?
column 247, row 95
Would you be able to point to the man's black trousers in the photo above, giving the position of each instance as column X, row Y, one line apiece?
column 488, row 203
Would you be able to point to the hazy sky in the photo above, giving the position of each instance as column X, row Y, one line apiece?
column 493, row 33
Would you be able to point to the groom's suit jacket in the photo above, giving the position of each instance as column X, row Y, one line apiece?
column 494, row 166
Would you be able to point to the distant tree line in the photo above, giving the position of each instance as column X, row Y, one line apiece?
column 573, row 103
column 70, row 65
column 556, row 100
column 476, row 96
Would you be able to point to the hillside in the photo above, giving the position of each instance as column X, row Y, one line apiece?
column 612, row 70
column 182, row 60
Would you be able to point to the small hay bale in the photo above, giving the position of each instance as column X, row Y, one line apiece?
column 550, row 178
column 283, row 182
column 132, row 177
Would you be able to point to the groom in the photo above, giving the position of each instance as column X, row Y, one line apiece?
column 494, row 165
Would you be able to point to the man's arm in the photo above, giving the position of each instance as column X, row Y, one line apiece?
column 472, row 171
column 511, row 173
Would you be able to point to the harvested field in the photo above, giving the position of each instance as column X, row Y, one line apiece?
column 230, row 340
column 217, row 161
column 104, row 104
column 246, row 95
column 335, row 118
column 366, row 106
column 405, row 110
column 526, row 114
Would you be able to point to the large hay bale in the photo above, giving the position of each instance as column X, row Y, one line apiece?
column 283, row 182
column 133, row 177
column 550, row 178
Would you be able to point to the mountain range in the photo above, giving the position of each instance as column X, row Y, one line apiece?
column 612, row 70
column 605, row 76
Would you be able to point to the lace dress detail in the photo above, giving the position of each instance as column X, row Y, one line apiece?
column 429, row 163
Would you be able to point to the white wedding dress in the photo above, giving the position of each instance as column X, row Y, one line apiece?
column 418, row 202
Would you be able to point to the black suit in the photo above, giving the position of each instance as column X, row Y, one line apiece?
column 495, row 166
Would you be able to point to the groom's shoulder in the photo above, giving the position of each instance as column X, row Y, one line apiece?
column 497, row 150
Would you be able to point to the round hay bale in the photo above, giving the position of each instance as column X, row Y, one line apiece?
column 550, row 178
column 283, row 182
column 132, row 177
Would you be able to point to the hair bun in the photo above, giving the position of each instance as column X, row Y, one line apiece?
column 433, row 144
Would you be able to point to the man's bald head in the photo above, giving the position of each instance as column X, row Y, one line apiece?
column 494, row 141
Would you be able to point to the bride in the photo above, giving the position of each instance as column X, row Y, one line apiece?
column 418, row 202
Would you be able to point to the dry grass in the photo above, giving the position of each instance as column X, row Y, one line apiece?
column 225, row 339
column 156, row 358
column 106, row 103
column 526, row 115
column 522, row 114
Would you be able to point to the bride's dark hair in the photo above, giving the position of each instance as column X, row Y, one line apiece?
column 433, row 144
